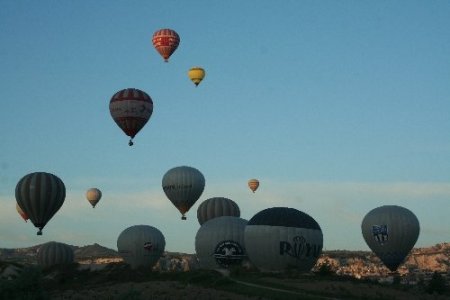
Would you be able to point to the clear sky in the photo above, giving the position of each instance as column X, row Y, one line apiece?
column 337, row 107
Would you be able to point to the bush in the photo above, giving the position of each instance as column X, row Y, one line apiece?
column 28, row 285
column 436, row 284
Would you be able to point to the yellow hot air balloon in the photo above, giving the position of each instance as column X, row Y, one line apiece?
column 253, row 184
column 196, row 74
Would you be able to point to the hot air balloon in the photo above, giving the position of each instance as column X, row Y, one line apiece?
column 166, row 41
column 219, row 243
column 131, row 109
column 253, row 184
column 391, row 232
column 217, row 207
column 54, row 253
column 93, row 195
column 183, row 186
column 21, row 213
column 196, row 74
column 40, row 195
column 141, row 245
column 279, row 238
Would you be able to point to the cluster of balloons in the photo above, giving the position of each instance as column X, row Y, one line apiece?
column 131, row 108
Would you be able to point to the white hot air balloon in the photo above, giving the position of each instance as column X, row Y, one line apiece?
column 219, row 243
column 183, row 186
column 141, row 246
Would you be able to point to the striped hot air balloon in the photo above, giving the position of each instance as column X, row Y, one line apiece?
column 217, row 207
column 40, row 195
column 131, row 109
column 54, row 253
column 166, row 41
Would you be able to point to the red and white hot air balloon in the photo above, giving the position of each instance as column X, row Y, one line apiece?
column 131, row 109
column 166, row 41
column 21, row 212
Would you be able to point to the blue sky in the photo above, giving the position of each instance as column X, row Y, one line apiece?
column 336, row 106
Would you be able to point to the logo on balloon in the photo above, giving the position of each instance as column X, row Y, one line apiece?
column 148, row 246
column 380, row 233
column 228, row 253
column 299, row 248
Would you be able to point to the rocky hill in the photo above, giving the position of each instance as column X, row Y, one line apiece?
column 357, row 264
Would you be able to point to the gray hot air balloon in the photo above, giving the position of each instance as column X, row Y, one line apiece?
column 141, row 246
column 390, row 231
column 217, row 207
column 279, row 238
column 40, row 195
column 54, row 253
column 219, row 242
column 93, row 195
column 183, row 186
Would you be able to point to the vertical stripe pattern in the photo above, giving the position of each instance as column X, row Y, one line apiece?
column 217, row 207
column 40, row 195
column 54, row 253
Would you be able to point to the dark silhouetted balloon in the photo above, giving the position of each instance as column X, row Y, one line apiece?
column 40, row 195
column 54, row 253
column 391, row 232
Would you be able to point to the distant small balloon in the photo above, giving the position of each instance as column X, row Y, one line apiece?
column 93, row 195
column 196, row 74
column 253, row 184
column 166, row 41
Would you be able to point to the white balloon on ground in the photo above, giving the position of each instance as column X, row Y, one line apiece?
column 141, row 246
column 217, row 207
column 280, row 238
column 54, row 253
column 219, row 243
column 391, row 232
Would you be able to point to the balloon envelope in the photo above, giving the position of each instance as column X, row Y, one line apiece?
column 391, row 232
column 40, row 195
column 217, row 207
column 196, row 74
column 219, row 243
column 166, row 41
column 53, row 253
column 279, row 238
column 183, row 186
column 141, row 245
column 93, row 195
column 253, row 184
column 131, row 109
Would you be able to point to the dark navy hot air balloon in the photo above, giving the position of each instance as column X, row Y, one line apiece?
column 40, row 195
column 391, row 232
